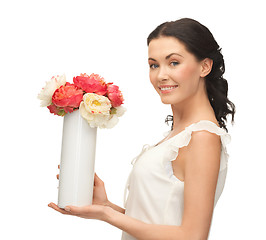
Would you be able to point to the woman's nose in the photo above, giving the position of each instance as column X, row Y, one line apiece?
column 163, row 74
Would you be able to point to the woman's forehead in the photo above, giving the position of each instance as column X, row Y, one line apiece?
column 164, row 46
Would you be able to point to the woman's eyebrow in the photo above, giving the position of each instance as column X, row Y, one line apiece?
column 168, row 56
column 152, row 59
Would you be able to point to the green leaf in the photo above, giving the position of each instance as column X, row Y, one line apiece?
column 61, row 112
column 113, row 110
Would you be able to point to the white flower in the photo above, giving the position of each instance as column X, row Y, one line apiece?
column 110, row 121
column 48, row 90
column 97, row 104
column 105, row 121
column 101, row 120
column 120, row 111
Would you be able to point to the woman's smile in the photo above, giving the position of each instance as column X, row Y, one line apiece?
column 167, row 88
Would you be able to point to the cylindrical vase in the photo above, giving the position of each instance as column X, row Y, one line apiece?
column 76, row 177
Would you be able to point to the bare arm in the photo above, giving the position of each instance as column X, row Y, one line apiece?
column 201, row 175
column 116, row 207
column 141, row 230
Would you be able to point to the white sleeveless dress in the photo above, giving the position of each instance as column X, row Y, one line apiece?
column 152, row 193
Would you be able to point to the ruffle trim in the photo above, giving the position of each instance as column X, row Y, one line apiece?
column 183, row 138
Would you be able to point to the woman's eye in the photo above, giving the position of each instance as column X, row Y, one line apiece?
column 174, row 63
column 154, row 66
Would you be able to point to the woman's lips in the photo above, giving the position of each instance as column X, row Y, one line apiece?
column 167, row 88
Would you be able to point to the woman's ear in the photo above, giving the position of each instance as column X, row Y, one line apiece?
column 206, row 67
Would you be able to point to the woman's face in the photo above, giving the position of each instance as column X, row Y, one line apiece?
column 175, row 73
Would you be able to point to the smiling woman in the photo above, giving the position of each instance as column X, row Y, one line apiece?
column 192, row 46
column 174, row 185
column 175, row 76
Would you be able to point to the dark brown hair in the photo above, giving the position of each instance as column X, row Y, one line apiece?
column 199, row 41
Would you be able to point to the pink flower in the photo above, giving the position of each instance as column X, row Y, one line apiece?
column 67, row 96
column 114, row 94
column 59, row 110
column 91, row 84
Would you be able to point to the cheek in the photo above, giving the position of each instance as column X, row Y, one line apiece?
column 152, row 79
column 154, row 82
column 187, row 74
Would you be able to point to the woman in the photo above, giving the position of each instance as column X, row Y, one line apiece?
column 175, row 184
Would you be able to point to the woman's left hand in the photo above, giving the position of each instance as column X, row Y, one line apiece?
column 88, row 212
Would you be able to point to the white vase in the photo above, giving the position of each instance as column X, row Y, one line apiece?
column 76, row 177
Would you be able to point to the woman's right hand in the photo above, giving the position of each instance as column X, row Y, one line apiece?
column 99, row 192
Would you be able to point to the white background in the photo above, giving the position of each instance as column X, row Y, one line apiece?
column 40, row 39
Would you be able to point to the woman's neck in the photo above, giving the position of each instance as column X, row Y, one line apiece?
column 192, row 110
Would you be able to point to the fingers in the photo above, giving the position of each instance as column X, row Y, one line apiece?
column 74, row 210
column 57, row 176
column 58, row 209
column 97, row 180
column 88, row 212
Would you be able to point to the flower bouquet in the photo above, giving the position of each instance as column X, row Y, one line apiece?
column 86, row 104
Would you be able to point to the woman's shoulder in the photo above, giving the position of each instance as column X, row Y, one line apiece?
column 202, row 130
column 200, row 135
column 204, row 136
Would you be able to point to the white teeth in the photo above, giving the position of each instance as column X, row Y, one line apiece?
column 168, row 88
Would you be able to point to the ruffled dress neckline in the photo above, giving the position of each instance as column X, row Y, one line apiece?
column 165, row 134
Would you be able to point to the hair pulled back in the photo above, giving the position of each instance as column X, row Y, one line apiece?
column 199, row 41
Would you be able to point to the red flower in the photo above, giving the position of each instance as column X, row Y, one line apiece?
column 115, row 95
column 91, row 84
column 67, row 96
column 59, row 110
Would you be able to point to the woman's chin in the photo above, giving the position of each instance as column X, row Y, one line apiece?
column 166, row 101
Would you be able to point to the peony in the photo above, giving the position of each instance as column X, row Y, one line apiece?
column 96, row 104
column 115, row 95
column 91, row 84
column 59, row 110
column 67, row 96
column 109, row 122
column 100, row 120
column 48, row 90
